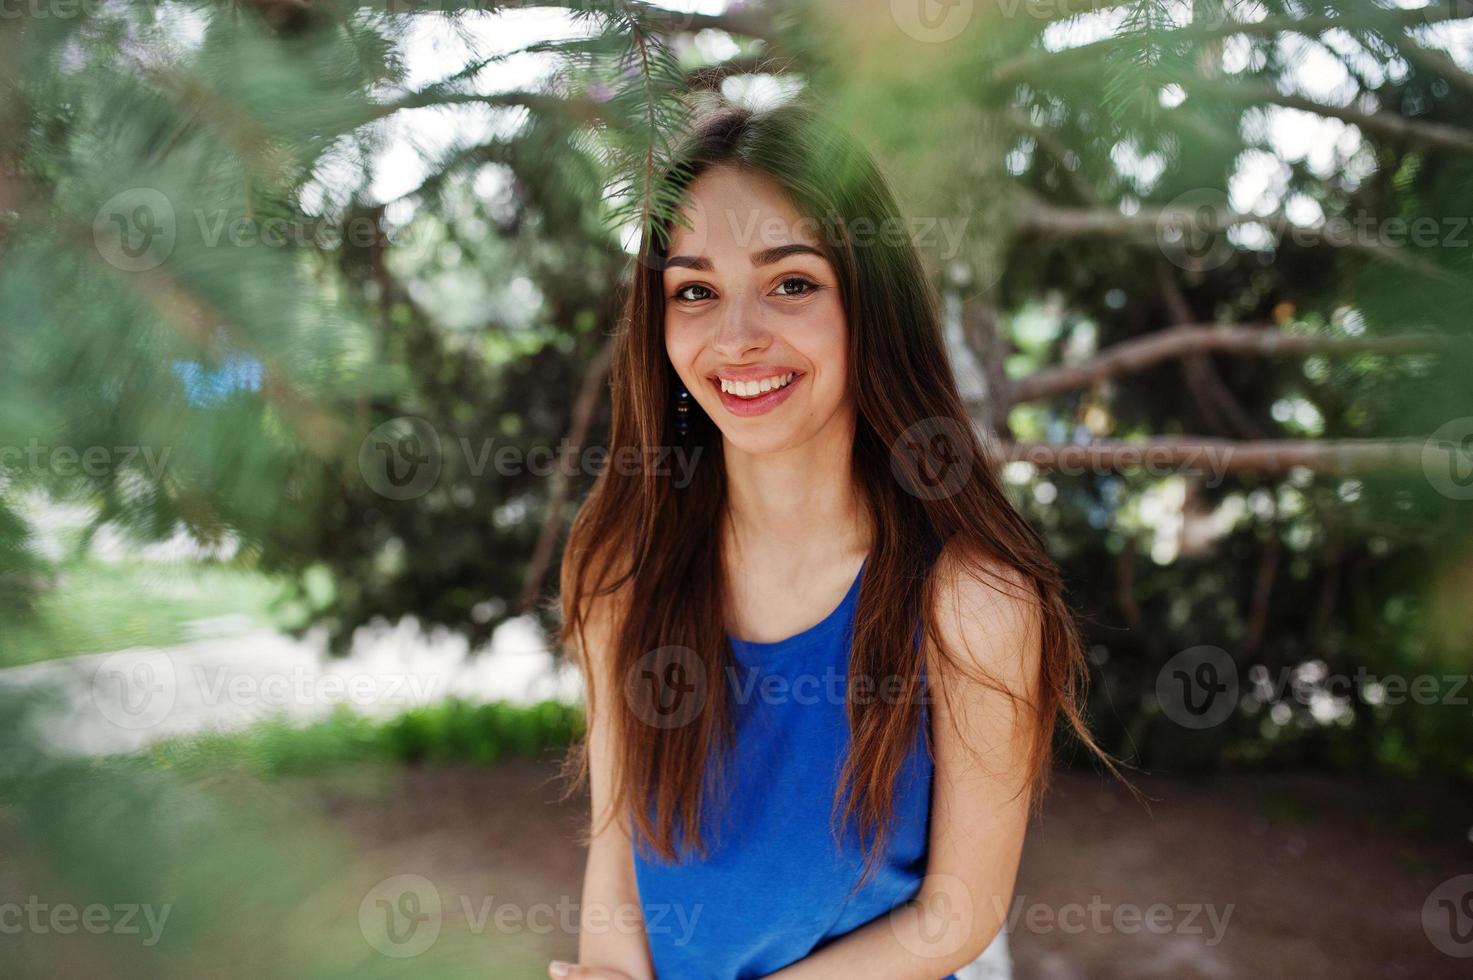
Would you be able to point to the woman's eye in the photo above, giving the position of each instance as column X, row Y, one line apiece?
column 796, row 286
column 684, row 293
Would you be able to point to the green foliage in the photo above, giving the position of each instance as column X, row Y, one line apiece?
column 455, row 731
column 631, row 71
column 93, row 606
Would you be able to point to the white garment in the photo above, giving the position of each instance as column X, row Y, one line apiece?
column 995, row 963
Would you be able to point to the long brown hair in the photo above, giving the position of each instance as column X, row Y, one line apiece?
column 657, row 543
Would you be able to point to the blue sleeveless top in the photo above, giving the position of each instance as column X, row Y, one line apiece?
column 774, row 885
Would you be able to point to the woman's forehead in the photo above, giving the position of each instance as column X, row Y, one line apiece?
column 737, row 210
column 731, row 207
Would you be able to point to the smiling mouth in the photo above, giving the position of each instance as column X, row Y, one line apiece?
column 756, row 388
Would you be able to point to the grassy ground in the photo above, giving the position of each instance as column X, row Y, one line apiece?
column 99, row 606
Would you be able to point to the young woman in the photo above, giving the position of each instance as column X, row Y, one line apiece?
column 823, row 672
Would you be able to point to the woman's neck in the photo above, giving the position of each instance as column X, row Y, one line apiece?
column 795, row 506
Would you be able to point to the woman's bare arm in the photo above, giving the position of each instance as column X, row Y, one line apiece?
column 611, row 939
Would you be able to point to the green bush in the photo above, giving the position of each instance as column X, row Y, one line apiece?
column 455, row 730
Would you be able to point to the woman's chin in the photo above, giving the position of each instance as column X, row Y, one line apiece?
column 760, row 440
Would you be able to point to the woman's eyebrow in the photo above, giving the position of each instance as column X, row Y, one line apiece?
column 765, row 257
column 780, row 252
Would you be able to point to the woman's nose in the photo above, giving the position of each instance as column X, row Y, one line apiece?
column 740, row 329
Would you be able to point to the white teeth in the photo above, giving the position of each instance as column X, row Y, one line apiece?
column 751, row 389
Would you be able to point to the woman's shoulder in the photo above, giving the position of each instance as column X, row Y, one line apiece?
column 985, row 607
column 965, row 567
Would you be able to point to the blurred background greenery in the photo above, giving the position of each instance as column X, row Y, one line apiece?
column 300, row 301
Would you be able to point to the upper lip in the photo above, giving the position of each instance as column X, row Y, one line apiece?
column 753, row 372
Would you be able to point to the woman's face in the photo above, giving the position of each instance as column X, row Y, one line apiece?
column 750, row 301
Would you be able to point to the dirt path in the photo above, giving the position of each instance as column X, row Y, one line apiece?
column 1252, row 876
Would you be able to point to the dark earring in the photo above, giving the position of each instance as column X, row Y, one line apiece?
column 682, row 412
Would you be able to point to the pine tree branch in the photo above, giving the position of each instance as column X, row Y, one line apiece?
column 710, row 77
column 1045, row 63
column 651, row 121
column 754, row 23
column 187, row 314
column 495, row 151
column 1182, row 340
column 579, row 111
column 180, row 308
column 198, row 101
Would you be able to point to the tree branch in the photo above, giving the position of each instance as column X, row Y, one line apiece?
column 748, row 23
column 1435, row 62
column 710, row 77
column 584, row 408
column 1261, row 596
column 1033, row 213
column 1191, row 338
column 1388, row 124
column 1037, row 62
column 578, row 110
column 1214, row 398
